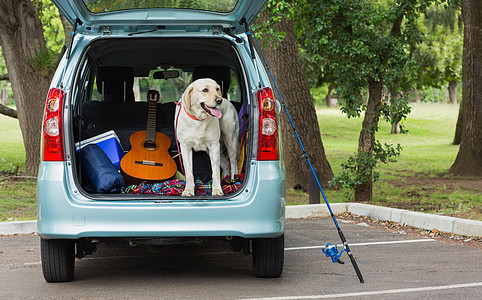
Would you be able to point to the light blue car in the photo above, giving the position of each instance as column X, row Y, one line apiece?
column 119, row 51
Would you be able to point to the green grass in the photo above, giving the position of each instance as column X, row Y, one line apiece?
column 17, row 199
column 419, row 180
column 17, row 196
column 12, row 151
column 426, row 147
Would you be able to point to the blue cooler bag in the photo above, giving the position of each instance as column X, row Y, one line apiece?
column 101, row 173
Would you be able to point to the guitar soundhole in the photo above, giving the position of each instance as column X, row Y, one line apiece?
column 149, row 145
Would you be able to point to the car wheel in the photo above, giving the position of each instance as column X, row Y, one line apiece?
column 268, row 257
column 58, row 259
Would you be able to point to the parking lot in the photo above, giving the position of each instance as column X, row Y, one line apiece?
column 395, row 266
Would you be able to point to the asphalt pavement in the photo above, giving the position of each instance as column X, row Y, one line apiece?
column 394, row 266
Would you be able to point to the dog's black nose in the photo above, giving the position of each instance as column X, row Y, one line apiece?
column 218, row 100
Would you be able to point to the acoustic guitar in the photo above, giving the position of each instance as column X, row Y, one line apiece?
column 149, row 158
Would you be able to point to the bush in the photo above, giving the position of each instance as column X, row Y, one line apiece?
column 358, row 168
column 319, row 94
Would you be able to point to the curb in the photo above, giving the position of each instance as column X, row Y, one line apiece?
column 18, row 227
column 415, row 219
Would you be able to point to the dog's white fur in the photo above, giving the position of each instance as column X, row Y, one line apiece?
column 199, row 135
column 229, row 125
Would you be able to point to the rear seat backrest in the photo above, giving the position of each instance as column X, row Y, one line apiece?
column 125, row 118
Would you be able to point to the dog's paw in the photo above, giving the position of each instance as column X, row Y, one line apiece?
column 188, row 193
column 217, row 192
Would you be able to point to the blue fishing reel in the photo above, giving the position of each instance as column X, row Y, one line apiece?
column 332, row 251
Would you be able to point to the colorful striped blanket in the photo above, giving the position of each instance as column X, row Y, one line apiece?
column 176, row 187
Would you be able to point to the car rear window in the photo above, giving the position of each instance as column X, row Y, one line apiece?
column 103, row 6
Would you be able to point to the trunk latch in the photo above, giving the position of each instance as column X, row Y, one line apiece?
column 217, row 30
column 106, row 30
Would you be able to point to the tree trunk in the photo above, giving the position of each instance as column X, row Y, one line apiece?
column 22, row 40
column 3, row 96
column 452, row 88
column 417, row 96
column 469, row 157
column 330, row 102
column 459, row 126
column 285, row 65
column 396, row 128
column 366, row 141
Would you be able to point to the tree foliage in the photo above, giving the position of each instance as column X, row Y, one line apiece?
column 53, row 29
column 358, row 40
column 365, row 45
column 360, row 166
column 439, row 56
column 101, row 6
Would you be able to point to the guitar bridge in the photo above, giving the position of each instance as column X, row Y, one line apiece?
column 148, row 163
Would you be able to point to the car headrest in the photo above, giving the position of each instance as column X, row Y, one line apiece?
column 115, row 83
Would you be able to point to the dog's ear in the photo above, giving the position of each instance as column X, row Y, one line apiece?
column 186, row 97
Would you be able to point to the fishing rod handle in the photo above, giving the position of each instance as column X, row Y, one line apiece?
column 352, row 259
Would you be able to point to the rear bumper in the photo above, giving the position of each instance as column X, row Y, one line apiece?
column 258, row 211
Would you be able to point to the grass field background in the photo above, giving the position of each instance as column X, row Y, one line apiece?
column 418, row 181
column 427, row 147
column 12, row 151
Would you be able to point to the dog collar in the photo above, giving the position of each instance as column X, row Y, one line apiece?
column 189, row 115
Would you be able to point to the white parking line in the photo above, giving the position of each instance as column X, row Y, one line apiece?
column 364, row 244
column 372, row 293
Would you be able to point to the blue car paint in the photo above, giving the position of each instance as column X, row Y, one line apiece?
column 258, row 211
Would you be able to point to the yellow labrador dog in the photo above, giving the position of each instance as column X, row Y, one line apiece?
column 198, row 128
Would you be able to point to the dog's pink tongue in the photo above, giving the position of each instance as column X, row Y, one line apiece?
column 215, row 112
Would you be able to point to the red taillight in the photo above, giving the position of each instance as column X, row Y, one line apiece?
column 268, row 126
column 53, row 148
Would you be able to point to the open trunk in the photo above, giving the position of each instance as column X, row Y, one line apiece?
column 110, row 104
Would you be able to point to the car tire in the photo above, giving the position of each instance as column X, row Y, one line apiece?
column 268, row 257
column 58, row 260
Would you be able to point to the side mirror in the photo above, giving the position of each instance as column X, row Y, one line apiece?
column 278, row 106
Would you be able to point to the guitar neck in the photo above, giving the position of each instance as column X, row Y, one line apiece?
column 151, row 120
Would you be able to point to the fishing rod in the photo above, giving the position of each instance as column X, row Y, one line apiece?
column 330, row 250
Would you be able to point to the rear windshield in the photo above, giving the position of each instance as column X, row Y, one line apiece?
column 103, row 6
